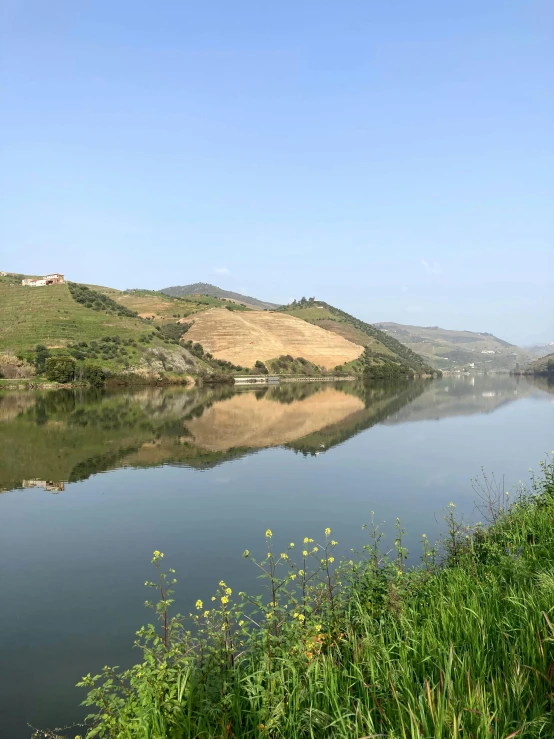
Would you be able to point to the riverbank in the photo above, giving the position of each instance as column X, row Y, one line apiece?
column 461, row 646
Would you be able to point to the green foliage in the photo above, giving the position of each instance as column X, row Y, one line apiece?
column 94, row 374
column 41, row 355
column 108, row 349
column 174, row 331
column 60, row 368
column 260, row 367
column 97, row 300
column 314, row 310
column 365, row 647
column 216, row 377
column 287, row 364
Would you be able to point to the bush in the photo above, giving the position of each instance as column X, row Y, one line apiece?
column 260, row 366
column 60, row 368
column 42, row 354
column 98, row 301
column 94, row 374
column 174, row 331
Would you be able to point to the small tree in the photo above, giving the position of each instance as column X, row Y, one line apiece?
column 42, row 354
column 60, row 368
column 94, row 374
column 260, row 366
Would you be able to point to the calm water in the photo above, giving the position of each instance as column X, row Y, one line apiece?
column 91, row 484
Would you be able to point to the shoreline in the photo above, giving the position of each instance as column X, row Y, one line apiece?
column 369, row 646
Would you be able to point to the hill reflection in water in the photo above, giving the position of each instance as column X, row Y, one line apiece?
column 49, row 438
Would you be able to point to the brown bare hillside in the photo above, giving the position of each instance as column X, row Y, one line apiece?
column 242, row 338
column 245, row 421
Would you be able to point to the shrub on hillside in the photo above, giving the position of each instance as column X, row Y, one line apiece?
column 174, row 331
column 260, row 367
column 42, row 354
column 97, row 300
column 94, row 374
column 60, row 368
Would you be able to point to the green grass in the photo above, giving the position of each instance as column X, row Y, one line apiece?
column 50, row 316
column 463, row 648
column 100, row 329
column 309, row 313
column 380, row 346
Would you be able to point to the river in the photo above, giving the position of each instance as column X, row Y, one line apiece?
column 91, row 483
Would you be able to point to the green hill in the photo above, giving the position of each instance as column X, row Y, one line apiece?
column 383, row 355
column 204, row 288
column 82, row 321
column 450, row 350
column 543, row 367
column 131, row 330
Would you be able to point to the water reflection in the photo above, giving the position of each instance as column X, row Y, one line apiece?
column 49, row 438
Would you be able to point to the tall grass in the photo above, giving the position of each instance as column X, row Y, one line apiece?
column 462, row 646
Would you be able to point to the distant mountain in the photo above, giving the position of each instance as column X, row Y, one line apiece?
column 450, row 350
column 544, row 366
column 204, row 288
column 540, row 350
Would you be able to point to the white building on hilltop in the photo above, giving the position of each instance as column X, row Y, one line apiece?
column 54, row 279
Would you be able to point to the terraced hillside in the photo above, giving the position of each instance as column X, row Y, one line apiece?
column 243, row 338
column 87, row 323
column 50, row 316
column 448, row 349
column 160, row 307
column 381, row 349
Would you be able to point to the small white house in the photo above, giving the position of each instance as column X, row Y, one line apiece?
column 54, row 279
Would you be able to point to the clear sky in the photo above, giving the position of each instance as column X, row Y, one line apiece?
column 394, row 158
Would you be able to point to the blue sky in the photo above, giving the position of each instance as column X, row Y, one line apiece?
column 394, row 158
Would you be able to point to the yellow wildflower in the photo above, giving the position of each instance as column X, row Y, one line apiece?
column 291, row 545
column 199, row 604
column 269, row 534
column 315, row 549
column 331, row 560
column 305, row 553
column 246, row 553
column 228, row 591
column 224, row 599
column 327, row 532
column 284, row 556
column 306, row 540
column 213, row 597
column 206, row 614
column 293, row 576
column 334, row 543
column 222, row 584
column 301, row 572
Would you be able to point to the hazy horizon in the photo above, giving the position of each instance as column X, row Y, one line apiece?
column 395, row 161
